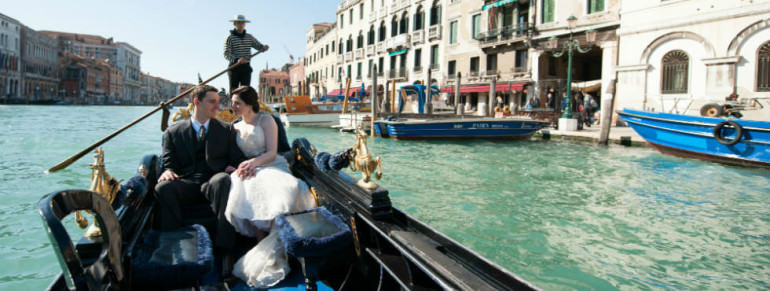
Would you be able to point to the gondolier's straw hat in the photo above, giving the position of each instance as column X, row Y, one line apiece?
column 239, row 18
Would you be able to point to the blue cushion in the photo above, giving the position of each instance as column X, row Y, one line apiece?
column 173, row 259
column 313, row 232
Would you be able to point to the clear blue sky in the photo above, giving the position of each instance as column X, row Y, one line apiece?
column 181, row 38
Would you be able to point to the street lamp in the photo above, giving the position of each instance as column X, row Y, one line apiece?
column 569, row 46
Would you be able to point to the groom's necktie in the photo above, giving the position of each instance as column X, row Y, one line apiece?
column 202, row 135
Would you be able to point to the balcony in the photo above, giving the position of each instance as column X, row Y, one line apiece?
column 503, row 35
column 418, row 69
column 399, row 42
column 380, row 47
column 434, row 32
column 359, row 53
column 399, row 74
column 348, row 56
column 340, row 59
column 381, row 13
column 418, row 36
column 370, row 50
column 434, row 67
column 489, row 74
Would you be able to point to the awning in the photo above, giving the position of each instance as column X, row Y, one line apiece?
column 485, row 88
column 398, row 52
column 496, row 4
column 352, row 91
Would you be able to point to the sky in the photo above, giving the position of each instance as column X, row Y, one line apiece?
column 181, row 38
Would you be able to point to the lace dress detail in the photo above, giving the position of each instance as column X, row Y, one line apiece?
column 254, row 203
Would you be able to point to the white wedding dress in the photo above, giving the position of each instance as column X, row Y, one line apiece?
column 255, row 201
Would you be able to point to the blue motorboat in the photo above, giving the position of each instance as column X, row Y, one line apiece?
column 419, row 125
column 727, row 140
column 459, row 128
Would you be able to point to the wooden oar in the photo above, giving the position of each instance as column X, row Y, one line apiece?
column 79, row 155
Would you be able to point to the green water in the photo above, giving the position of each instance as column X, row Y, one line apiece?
column 561, row 215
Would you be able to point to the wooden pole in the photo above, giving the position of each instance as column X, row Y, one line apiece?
column 428, row 101
column 491, row 97
column 459, row 106
column 162, row 105
column 606, row 109
column 393, row 96
column 345, row 101
column 373, row 69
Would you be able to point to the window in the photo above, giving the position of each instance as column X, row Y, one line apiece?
column 342, row 20
column 476, row 26
column 474, row 66
column 332, row 46
column 358, row 73
column 675, row 68
column 360, row 41
column 379, row 66
column 351, row 16
column 434, row 57
column 453, row 32
column 394, row 26
column 382, row 31
column 404, row 24
column 327, row 48
column 371, row 67
column 492, row 63
column 349, row 68
column 361, row 11
column 341, row 47
column 452, row 68
column 763, row 67
column 547, row 15
column 595, row 6
column 370, row 36
column 521, row 63
column 418, row 19
column 435, row 14
column 417, row 59
column 349, row 44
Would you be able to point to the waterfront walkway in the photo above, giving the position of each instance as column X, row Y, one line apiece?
column 623, row 135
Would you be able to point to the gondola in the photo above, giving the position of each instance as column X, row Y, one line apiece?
column 369, row 245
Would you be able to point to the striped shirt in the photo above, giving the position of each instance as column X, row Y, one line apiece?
column 240, row 47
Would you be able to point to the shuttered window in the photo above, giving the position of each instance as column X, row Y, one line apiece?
column 763, row 68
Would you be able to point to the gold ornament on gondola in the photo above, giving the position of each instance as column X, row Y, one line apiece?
column 361, row 159
column 226, row 115
column 101, row 183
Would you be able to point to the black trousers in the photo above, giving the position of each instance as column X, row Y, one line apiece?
column 172, row 195
column 239, row 76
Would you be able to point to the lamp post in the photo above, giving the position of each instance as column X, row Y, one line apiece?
column 568, row 47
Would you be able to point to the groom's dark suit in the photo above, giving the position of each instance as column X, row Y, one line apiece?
column 200, row 165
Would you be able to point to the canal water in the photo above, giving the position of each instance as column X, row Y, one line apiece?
column 561, row 215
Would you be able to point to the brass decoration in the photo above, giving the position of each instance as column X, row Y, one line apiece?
column 315, row 195
column 361, row 159
column 101, row 183
column 356, row 242
column 183, row 113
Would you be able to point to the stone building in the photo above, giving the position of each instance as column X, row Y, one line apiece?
column 707, row 50
column 10, row 60
column 273, row 85
column 40, row 67
column 297, row 79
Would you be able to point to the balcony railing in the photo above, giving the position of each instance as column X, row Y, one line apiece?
column 399, row 73
column 434, row 32
column 434, row 67
column 348, row 56
column 380, row 73
column 400, row 41
column 418, row 68
column 380, row 46
column 418, row 36
column 340, row 59
column 370, row 50
column 359, row 53
column 503, row 34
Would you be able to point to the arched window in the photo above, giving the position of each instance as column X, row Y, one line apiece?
column 382, row 31
column 435, row 13
column 360, row 40
column 370, row 36
column 340, row 48
column 763, row 67
column 675, row 68
column 394, row 26
column 404, row 23
column 349, row 45
column 418, row 18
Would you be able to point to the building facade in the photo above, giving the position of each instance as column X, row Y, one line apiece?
column 10, row 60
column 320, row 56
column 297, row 79
column 129, row 61
column 273, row 85
column 677, row 62
column 40, row 67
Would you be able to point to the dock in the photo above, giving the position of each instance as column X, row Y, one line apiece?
column 622, row 135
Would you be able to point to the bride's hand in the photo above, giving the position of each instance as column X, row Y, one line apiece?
column 247, row 168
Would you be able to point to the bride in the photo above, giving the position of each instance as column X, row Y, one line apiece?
column 262, row 187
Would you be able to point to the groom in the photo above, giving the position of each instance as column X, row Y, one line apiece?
column 197, row 155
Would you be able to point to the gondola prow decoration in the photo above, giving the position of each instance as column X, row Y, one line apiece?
column 101, row 183
column 361, row 159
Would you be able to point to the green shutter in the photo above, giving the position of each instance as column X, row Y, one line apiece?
column 548, row 11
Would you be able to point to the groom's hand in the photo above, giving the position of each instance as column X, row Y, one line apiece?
column 168, row 175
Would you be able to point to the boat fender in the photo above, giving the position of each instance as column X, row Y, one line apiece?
column 326, row 161
column 721, row 139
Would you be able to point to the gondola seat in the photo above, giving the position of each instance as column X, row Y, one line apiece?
column 313, row 237
column 173, row 259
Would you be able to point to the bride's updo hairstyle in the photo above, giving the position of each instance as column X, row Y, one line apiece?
column 249, row 96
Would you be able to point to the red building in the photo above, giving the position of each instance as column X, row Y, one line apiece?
column 273, row 85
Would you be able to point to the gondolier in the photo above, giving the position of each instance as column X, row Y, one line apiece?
column 238, row 49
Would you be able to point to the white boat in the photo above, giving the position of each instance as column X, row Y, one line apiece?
column 349, row 122
column 300, row 111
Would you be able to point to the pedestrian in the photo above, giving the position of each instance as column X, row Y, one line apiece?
column 238, row 47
